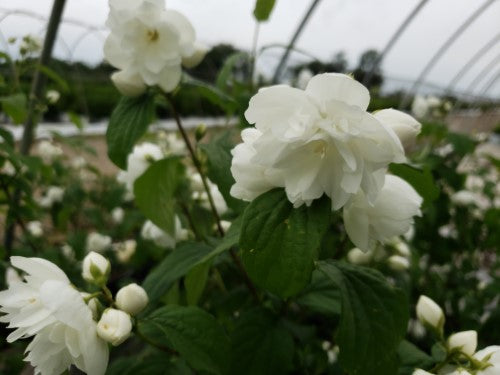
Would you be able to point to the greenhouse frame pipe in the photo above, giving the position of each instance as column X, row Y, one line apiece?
column 408, row 20
column 442, row 50
column 473, row 60
column 300, row 28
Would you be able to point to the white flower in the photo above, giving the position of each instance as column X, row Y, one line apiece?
column 35, row 228
column 401, row 247
column 465, row 342
column 132, row 299
column 390, row 215
column 199, row 193
column 422, row 106
column 128, row 82
column 398, row 263
column 405, row 126
column 125, row 250
column 429, row 312
column 97, row 242
column 12, row 276
column 54, row 194
column 419, row 371
column 357, row 256
column 52, row 96
column 78, row 162
column 68, row 251
column 48, row 152
column 474, row 183
column 303, row 78
column 8, row 169
column 225, row 225
column 174, row 144
column 148, row 44
column 95, row 268
column 151, row 232
column 115, row 326
column 314, row 142
column 117, row 215
column 198, row 55
column 141, row 157
column 48, row 307
column 465, row 198
column 490, row 355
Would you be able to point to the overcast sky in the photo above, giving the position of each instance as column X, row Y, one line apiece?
column 336, row 25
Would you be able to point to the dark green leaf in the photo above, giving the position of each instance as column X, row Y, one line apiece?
column 411, row 358
column 260, row 345
column 15, row 106
column 279, row 243
column 227, row 68
column 219, row 167
column 213, row 94
column 173, row 267
column 421, row 180
column 321, row 296
column 153, row 364
column 195, row 282
column 373, row 320
column 7, row 136
column 194, row 333
column 154, row 192
column 75, row 119
column 56, row 78
column 230, row 239
column 263, row 9
column 129, row 121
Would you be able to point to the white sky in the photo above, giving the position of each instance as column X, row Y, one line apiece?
column 349, row 25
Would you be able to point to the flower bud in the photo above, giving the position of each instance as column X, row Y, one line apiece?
column 200, row 132
column 419, row 371
column 35, row 228
column 96, row 268
column 398, row 263
column 196, row 57
column 131, row 299
column 117, row 215
column 357, row 256
column 405, row 126
column 125, row 250
column 465, row 342
column 128, row 84
column 429, row 313
column 114, row 327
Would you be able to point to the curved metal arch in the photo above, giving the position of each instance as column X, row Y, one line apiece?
column 474, row 59
column 442, row 50
column 399, row 31
column 82, row 37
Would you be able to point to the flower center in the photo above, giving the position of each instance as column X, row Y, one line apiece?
column 320, row 148
column 153, row 35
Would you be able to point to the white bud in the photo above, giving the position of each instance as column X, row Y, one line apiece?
column 429, row 312
column 52, row 96
column 196, row 57
column 125, row 250
column 35, row 228
column 398, row 263
column 114, row 327
column 404, row 125
column 357, row 256
column 128, row 84
column 117, row 215
column 465, row 342
column 132, row 299
column 97, row 242
column 419, row 371
column 96, row 268
column 402, row 248
column 92, row 303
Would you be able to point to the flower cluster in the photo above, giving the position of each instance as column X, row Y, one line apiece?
column 321, row 140
column 462, row 358
column 148, row 44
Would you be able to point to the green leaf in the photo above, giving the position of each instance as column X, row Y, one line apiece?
column 212, row 93
column 373, row 320
column 321, row 295
column 421, row 180
column 7, row 137
column 230, row 239
column 411, row 358
column 219, row 167
column 195, row 282
column 173, row 267
column 153, row 364
column 129, row 121
column 75, row 119
column 15, row 106
column 56, row 78
column 260, row 345
column 229, row 64
column 194, row 333
column 155, row 189
column 279, row 243
column 263, row 9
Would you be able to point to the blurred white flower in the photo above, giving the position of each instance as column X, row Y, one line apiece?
column 398, row 263
column 423, row 106
column 174, row 144
column 48, row 151
column 357, row 256
column 465, row 342
column 96, row 268
column 35, row 228
column 225, row 225
column 416, row 328
column 141, row 157
column 153, row 233
column 490, row 355
column 125, row 250
column 303, row 78
column 466, row 197
column 401, row 247
column 445, row 150
column 68, row 252
column 314, row 142
column 30, row 44
column 97, row 242
column 12, row 276
column 419, row 371
column 390, row 215
column 132, row 299
column 448, row 231
column 474, row 183
column 117, row 215
column 78, row 162
column 200, row 194
column 429, row 312
column 404, row 125
column 52, row 96
column 148, row 44
column 8, row 169
column 48, row 307
column 114, row 326
column 197, row 57
column 54, row 194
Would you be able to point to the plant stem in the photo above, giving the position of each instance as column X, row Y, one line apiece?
column 197, row 165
